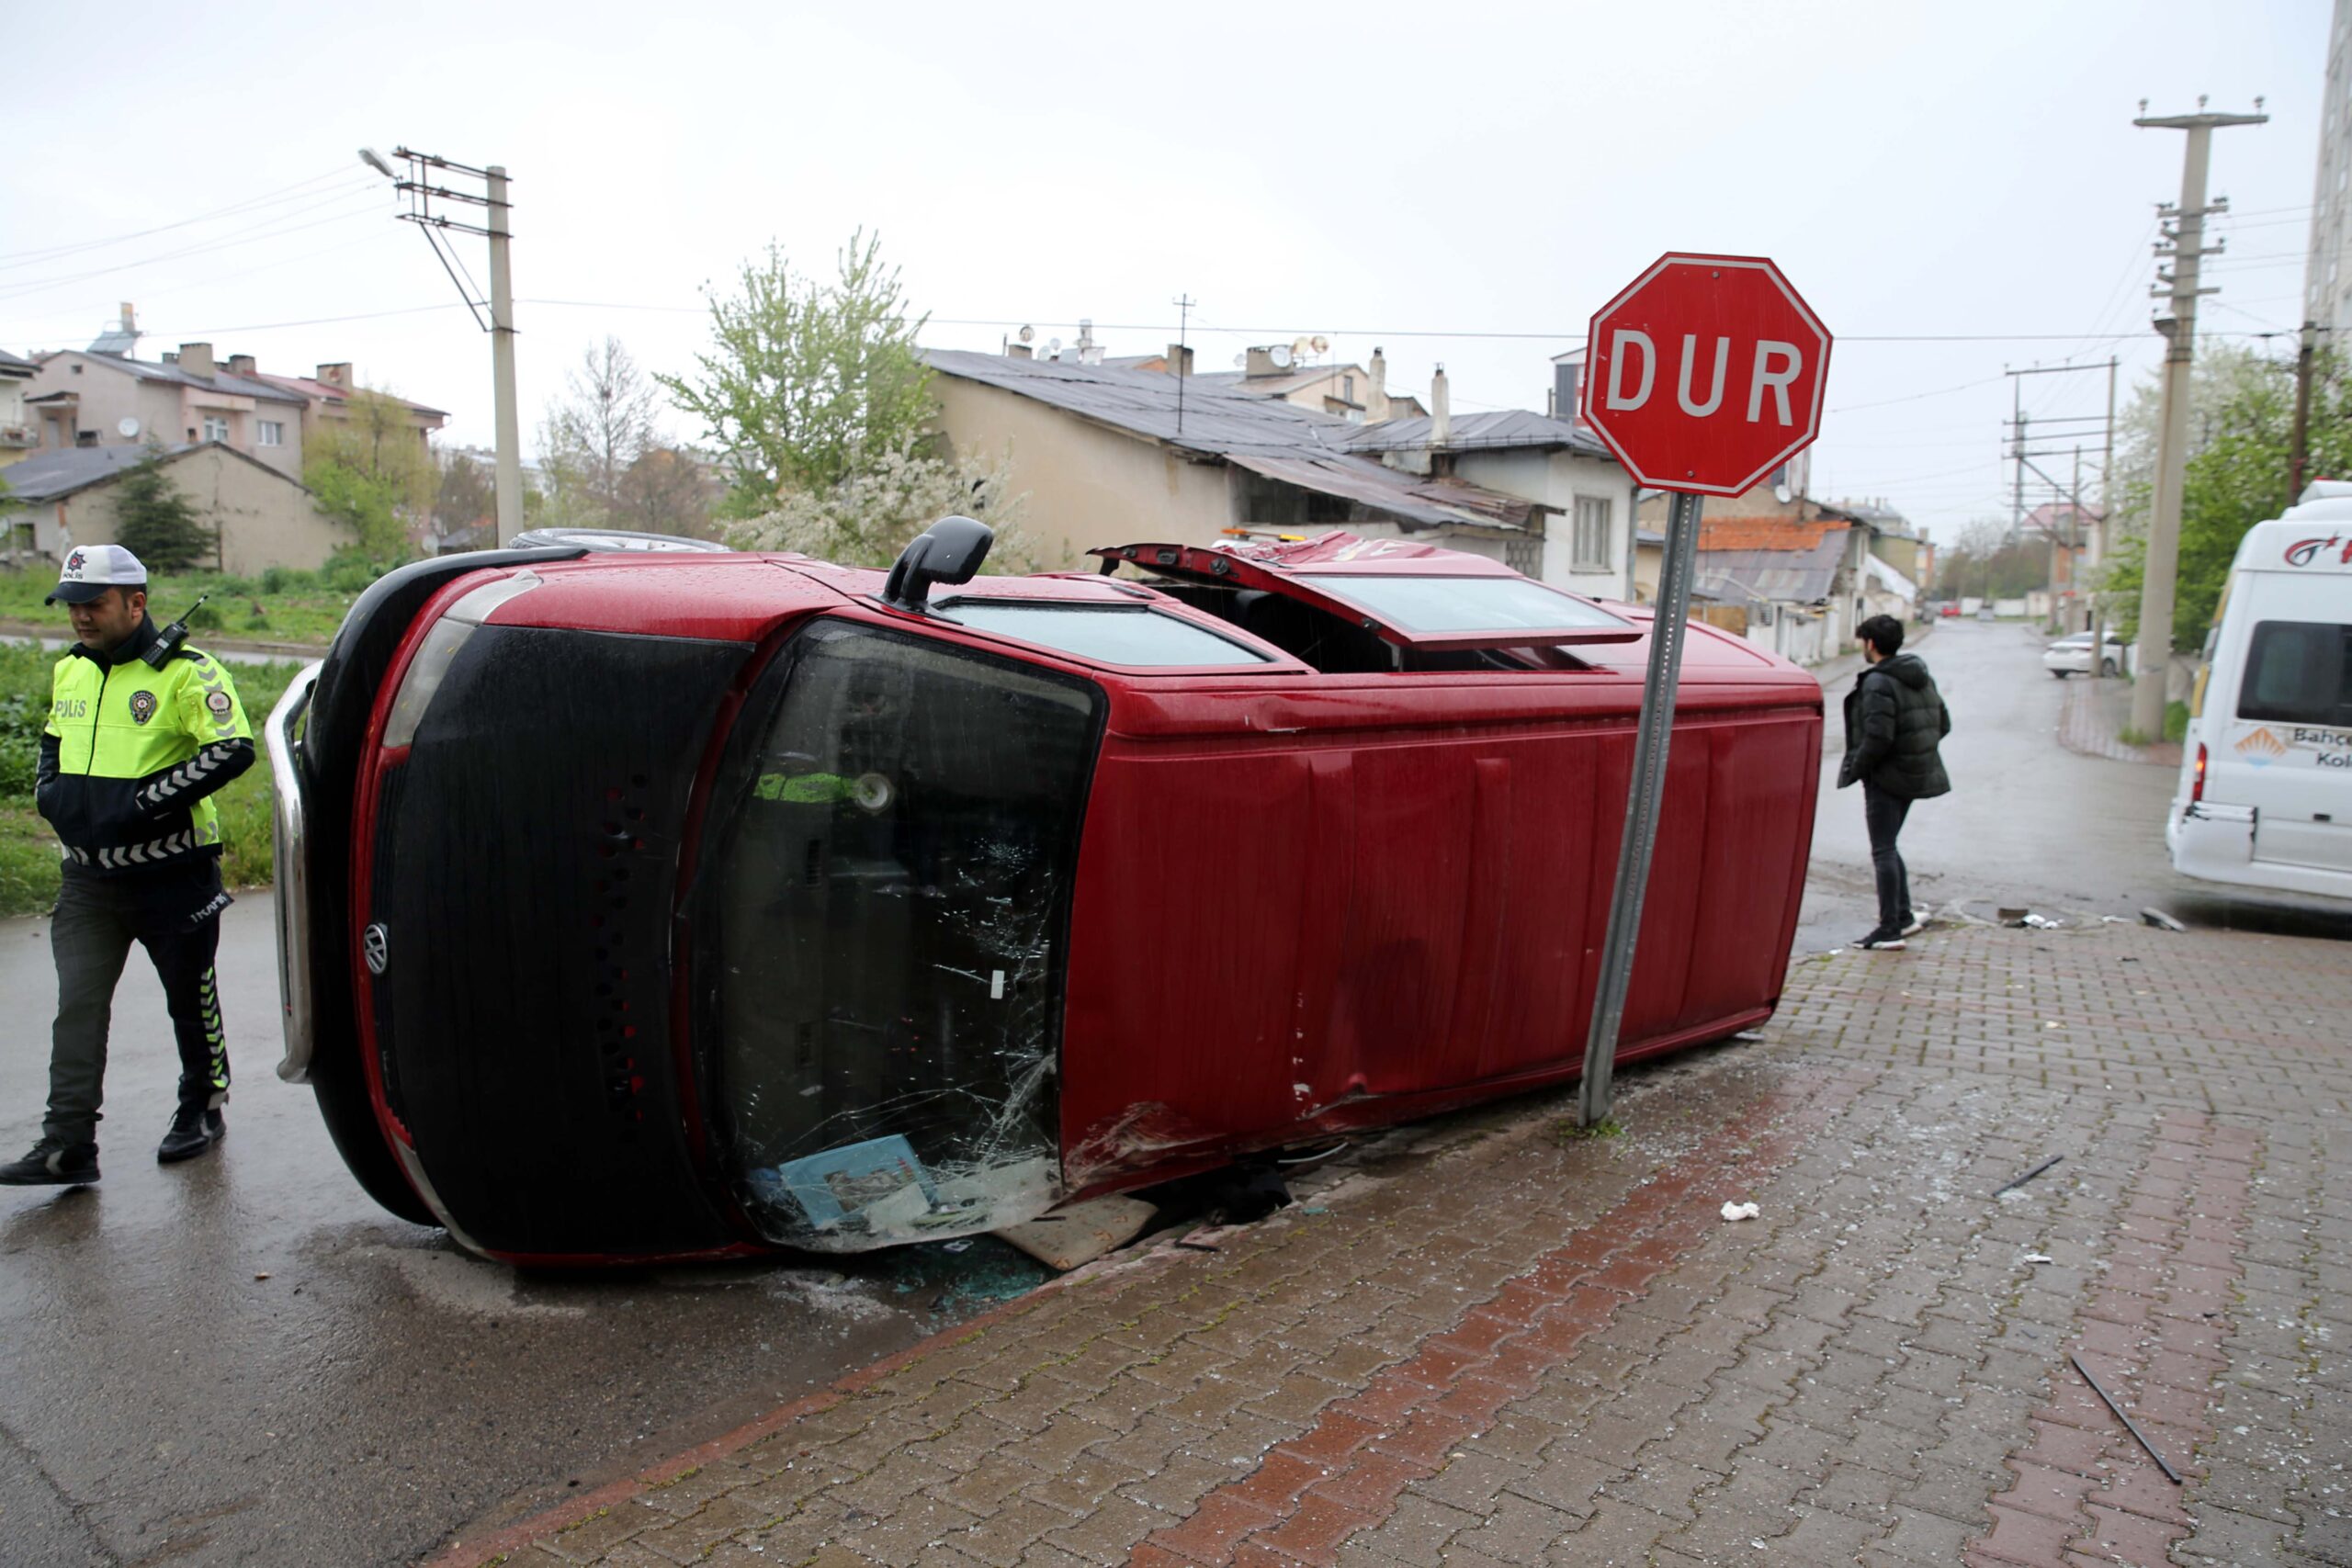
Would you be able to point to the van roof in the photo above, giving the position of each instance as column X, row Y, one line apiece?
column 2313, row 538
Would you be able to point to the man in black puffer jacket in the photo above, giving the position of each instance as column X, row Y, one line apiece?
column 1894, row 724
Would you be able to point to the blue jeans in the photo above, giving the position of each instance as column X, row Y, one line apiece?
column 1883, row 814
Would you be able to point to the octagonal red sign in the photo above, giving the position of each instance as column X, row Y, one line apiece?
column 1706, row 373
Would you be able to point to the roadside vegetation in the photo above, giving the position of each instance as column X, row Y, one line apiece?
column 280, row 605
column 28, row 863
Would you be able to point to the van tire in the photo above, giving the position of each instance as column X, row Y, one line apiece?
column 2060, row 674
column 2106, row 667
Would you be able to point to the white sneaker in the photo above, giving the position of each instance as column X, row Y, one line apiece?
column 1914, row 926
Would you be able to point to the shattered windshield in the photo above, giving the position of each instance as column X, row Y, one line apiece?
column 892, row 893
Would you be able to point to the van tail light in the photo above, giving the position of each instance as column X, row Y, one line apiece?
column 2197, row 785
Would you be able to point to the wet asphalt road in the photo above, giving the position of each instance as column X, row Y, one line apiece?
column 2028, row 824
column 161, row 1401
column 242, row 1360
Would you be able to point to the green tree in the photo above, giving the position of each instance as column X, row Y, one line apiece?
column 154, row 521
column 468, row 497
column 867, row 517
column 806, row 383
column 372, row 471
column 2240, row 430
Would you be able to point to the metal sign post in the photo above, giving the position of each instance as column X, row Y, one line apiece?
column 1659, row 688
column 1747, row 362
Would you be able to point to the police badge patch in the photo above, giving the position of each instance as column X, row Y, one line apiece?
column 142, row 707
column 220, row 704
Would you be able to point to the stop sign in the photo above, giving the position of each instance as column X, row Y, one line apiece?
column 1706, row 373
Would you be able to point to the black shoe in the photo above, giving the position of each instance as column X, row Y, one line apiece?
column 52, row 1164
column 1886, row 939
column 193, row 1132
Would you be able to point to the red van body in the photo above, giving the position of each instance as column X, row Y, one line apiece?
column 658, row 906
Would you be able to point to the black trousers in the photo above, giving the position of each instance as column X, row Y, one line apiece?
column 174, row 914
column 1883, row 814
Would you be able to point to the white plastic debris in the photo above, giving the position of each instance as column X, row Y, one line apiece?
column 2044, row 924
column 1741, row 1211
column 2038, row 1257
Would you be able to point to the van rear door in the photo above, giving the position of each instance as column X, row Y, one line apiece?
column 2290, row 740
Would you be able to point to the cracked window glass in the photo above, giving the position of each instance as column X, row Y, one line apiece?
column 892, row 893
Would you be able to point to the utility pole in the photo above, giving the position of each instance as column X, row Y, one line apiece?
column 2021, row 430
column 501, row 360
column 2303, row 413
column 420, row 185
column 1183, row 303
column 2187, row 252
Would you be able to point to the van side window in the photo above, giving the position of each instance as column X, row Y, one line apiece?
column 2299, row 673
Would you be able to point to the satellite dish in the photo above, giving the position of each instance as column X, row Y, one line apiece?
column 1028, row 334
column 1783, row 494
column 1300, row 347
column 1279, row 355
column 1053, row 346
column 127, row 426
column 1241, row 361
column 1319, row 345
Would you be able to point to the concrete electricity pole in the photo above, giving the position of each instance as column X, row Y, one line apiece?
column 2188, row 251
column 418, row 185
column 502, row 361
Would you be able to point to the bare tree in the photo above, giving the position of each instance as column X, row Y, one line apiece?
column 595, row 433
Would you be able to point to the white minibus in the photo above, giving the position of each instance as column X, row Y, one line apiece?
column 2265, row 799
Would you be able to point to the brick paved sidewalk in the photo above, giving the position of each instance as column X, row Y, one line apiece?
column 1531, row 1348
column 2092, row 717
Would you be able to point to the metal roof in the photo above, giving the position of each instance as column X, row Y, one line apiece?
column 1795, row 577
column 46, row 476
column 1496, row 429
column 9, row 362
column 220, row 381
column 1266, row 436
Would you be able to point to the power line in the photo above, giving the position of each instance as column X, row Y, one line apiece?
column 9, row 260
column 38, row 286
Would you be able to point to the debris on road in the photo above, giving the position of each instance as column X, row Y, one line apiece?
column 2042, row 923
column 2028, row 1176
column 2129, row 1425
column 1077, row 1234
column 2161, row 921
column 1741, row 1211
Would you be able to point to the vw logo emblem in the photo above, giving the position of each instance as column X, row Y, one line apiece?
column 372, row 947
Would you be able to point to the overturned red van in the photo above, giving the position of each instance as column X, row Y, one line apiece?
column 643, row 905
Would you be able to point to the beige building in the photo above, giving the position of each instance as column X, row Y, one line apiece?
column 1108, row 454
column 18, row 434
column 260, row 517
column 1359, row 394
column 85, row 398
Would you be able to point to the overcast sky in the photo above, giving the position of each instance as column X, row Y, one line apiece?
column 1457, row 184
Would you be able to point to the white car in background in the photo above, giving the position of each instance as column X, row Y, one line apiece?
column 2071, row 656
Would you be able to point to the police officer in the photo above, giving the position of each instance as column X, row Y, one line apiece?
column 141, row 735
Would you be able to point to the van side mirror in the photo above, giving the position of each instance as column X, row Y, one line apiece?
column 950, row 550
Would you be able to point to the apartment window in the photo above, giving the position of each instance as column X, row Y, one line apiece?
column 1590, row 543
column 215, row 428
column 272, row 432
column 1348, row 388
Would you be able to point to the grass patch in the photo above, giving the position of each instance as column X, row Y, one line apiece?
column 1565, row 1130
column 2176, row 721
column 28, row 865
column 280, row 606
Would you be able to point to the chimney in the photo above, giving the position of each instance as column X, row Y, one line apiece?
column 1376, row 406
column 1180, row 359
column 1088, row 350
column 170, row 357
column 1261, row 362
column 1017, row 351
column 196, row 358
column 1441, row 411
column 243, row 365
column 336, row 375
